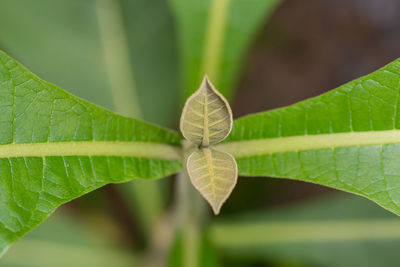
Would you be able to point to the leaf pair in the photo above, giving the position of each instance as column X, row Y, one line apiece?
column 207, row 120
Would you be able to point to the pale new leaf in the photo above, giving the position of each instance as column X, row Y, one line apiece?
column 214, row 174
column 206, row 118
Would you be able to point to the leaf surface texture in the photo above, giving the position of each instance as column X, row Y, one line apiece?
column 96, row 147
column 206, row 117
column 213, row 174
column 348, row 139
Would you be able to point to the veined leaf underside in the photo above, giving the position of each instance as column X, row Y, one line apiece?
column 214, row 174
column 206, row 118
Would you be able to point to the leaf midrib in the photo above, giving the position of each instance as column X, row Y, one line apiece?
column 265, row 146
column 92, row 148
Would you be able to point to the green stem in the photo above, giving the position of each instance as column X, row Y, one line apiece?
column 260, row 233
column 188, row 220
column 214, row 38
column 189, row 214
column 116, row 55
column 146, row 194
column 185, row 218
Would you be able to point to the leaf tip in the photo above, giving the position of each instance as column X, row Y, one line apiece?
column 216, row 208
column 206, row 83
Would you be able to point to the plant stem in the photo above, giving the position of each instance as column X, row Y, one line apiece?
column 116, row 55
column 272, row 232
column 145, row 194
column 214, row 38
column 189, row 206
column 189, row 214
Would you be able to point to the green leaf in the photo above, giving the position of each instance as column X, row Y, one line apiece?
column 55, row 147
column 214, row 36
column 339, row 230
column 66, row 49
column 348, row 139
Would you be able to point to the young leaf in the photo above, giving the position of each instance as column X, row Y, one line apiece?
column 206, row 118
column 55, row 147
column 213, row 174
column 348, row 139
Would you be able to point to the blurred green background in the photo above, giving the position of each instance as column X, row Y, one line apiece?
column 303, row 49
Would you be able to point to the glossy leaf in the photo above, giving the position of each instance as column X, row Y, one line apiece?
column 55, row 147
column 213, row 174
column 214, row 36
column 206, row 117
column 348, row 139
column 66, row 48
